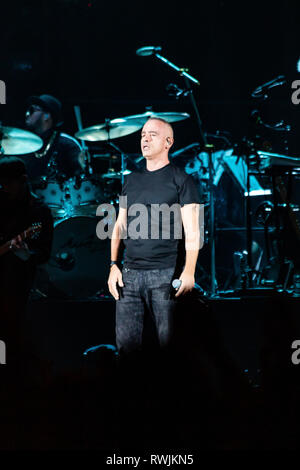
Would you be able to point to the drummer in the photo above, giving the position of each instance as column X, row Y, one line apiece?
column 60, row 156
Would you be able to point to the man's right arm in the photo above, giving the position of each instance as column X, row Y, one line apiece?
column 115, row 275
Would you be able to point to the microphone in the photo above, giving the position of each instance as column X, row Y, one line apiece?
column 176, row 283
column 148, row 50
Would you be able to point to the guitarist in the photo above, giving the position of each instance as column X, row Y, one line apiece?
column 19, row 211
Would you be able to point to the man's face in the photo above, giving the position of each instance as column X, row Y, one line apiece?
column 34, row 118
column 156, row 139
column 12, row 189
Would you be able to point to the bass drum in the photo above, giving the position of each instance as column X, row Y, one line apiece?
column 79, row 263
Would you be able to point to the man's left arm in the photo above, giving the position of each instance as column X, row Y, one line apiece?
column 190, row 214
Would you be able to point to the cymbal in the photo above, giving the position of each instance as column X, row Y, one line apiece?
column 119, row 127
column 14, row 141
column 167, row 116
column 115, row 174
column 112, row 129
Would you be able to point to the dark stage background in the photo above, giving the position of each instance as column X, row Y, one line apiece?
column 83, row 52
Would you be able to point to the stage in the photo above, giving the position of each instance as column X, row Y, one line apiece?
column 232, row 382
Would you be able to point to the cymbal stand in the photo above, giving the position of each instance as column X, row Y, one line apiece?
column 87, row 157
column 249, row 237
column 123, row 157
column 1, row 137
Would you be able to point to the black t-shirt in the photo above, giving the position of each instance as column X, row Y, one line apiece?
column 169, row 186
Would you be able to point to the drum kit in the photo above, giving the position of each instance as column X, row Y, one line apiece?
column 78, row 265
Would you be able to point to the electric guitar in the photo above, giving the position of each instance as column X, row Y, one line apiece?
column 31, row 233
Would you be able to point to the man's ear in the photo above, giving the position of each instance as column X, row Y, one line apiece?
column 169, row 141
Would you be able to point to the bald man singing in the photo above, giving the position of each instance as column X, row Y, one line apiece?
column 158, row 222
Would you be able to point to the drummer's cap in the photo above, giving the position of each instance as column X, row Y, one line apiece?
column 11, row 168
column 51, row 104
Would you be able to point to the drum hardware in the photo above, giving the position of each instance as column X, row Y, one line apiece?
column 296, row 285
column 221, row 136
column 260, row 91
column 86, row 155
column 264, row 216
column 213, row 286
column 270, row 215
column 266, row 160
column 14, row 141
column 174, row 90
column 115, row 174
column 195, row 147
column 245, row 151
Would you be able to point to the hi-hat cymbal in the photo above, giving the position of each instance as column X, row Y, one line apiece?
column 115, row 174
column 112, row 129
column 167, row 116
column 14, row 141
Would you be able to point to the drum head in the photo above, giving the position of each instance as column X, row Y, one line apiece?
column 79, row 264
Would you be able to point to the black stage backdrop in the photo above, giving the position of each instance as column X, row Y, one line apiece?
column 84, row 53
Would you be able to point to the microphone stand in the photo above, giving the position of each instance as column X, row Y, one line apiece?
column 209, row 148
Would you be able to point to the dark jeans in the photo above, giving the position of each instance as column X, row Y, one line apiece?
column 144, row 289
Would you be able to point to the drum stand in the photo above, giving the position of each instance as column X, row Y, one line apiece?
column 123, row 157
column 87, row 157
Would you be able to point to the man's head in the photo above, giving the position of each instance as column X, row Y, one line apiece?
column 156, row 139
column 13, row 178
column 43, row 113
